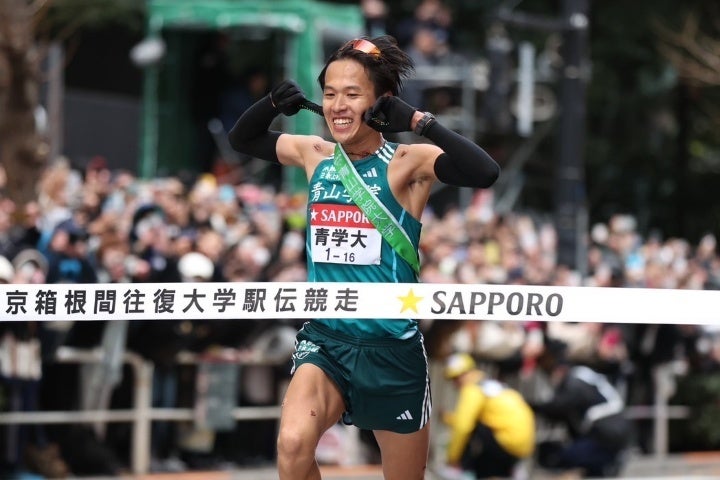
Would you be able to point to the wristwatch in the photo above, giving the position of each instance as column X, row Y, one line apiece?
column 423, row 123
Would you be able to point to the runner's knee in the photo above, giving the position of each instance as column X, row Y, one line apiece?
column 291, row 443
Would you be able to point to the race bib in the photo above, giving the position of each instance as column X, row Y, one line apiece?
column 343, row 234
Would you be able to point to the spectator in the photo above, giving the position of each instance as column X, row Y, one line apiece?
column 238, row 97
column 492, row 427
column 428, row 51
column 375, row 13
column 150, row 240
column 27, row 233
column 212, row 78
column 211, row 244
column 68, row 261
column 432, row 14
column 7, row 240
column 27, row 448
column 511, row 346
column 592, row 411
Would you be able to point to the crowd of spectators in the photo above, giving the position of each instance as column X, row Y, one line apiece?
column 96, row 225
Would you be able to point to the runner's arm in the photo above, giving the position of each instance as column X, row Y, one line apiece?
column 251, row 134
column 463, row 163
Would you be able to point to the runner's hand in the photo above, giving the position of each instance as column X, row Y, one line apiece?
column 390, row 114
column 287, row 97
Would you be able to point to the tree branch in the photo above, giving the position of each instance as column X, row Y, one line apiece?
column 693, row 52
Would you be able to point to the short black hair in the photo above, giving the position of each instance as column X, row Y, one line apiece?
column 386, row 71
column 554, row 353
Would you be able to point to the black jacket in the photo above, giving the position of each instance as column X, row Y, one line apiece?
column 590, row 407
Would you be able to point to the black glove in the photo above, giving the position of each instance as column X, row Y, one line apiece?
column 390, row 114
column 287, row 97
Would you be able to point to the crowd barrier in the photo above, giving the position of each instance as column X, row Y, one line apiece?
column 142, row 413
column 347, row 300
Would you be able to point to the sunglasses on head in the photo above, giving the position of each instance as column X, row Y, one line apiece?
column 365, row 46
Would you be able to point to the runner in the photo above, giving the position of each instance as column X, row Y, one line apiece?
column 366, row 198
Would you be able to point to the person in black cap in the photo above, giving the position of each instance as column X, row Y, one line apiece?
column 592, row 411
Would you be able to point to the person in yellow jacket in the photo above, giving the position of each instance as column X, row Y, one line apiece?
column 492, row 427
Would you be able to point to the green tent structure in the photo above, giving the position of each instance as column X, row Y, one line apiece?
column 284, row 38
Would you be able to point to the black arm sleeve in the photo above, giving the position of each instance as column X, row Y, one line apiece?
column 463, row 163
column 251, row 135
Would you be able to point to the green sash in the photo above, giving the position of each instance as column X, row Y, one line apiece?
column 374, row 210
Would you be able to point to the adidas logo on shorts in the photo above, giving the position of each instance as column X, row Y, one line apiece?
column 404, row 416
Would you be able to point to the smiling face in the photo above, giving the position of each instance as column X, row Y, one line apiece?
column 348, row 93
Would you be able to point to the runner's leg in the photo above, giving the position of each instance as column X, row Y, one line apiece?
column 312, row 405
column 404, row 455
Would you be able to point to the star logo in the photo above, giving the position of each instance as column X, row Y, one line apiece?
column 313, row 214
column 409, row 302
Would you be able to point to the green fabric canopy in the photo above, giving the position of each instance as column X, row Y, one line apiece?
column 306, row 23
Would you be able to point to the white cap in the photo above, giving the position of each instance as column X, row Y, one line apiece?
column 7, row 271
column 195, row 266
